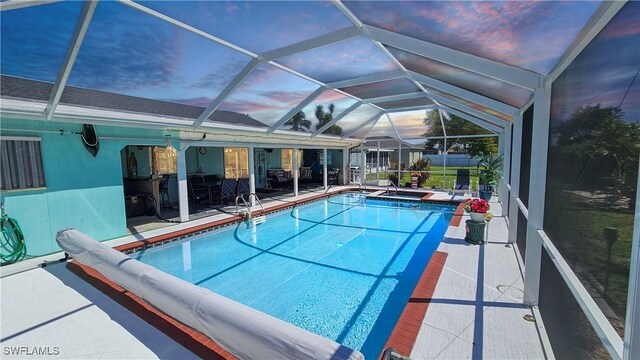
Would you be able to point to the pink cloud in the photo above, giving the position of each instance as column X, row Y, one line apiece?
column 247, row 106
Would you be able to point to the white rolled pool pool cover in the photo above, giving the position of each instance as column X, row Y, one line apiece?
column 243, row 331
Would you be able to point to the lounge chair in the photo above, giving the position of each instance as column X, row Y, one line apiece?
column 463, row 182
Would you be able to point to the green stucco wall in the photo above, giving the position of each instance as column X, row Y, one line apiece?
column 81, row 192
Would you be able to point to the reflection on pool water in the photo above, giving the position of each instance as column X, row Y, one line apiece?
column 343, row 267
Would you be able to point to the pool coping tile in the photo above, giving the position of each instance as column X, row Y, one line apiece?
column 405, row 333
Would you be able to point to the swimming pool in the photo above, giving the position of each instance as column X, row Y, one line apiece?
column 343, row 267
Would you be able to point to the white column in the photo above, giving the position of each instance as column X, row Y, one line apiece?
column 399, row 162
column 506, row 193
column 363, row 165
column 378, row 165
column 324, row 168
column 537, row 185
column 444, row 165
column 252, row 175
column 632, row 324
column 346, row 160
column 499, row 187
column 515, row 177
column 183, row 194
column 295, row 171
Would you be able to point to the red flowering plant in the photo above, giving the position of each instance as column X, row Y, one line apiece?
column 477, row 206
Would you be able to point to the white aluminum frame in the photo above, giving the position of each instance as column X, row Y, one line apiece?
column 88, row 9
column 632, row 322
column 507, row 73
column 537, row 186
column 515, row 178
column 463, row 93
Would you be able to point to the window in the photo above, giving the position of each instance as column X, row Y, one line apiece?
column 164, row 160
column 236, row 163
column 286, row 158
column 21, row 163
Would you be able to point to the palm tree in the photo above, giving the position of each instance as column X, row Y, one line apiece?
column 326, row 117
column 299, row 122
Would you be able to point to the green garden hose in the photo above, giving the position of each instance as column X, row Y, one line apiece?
column 12, row 248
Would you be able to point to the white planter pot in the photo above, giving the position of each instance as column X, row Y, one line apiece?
column 477, row 217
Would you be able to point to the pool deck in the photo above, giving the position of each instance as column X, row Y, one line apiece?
column 475, row 310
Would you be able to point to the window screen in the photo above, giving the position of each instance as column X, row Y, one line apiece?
column 21, row 164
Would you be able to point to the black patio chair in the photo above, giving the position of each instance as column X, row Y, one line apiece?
column 197, row 191
column 463, row 182
column 228, row 190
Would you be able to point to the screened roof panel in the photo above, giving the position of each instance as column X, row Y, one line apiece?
column 257, row 26
column 527, row 34
column 362, row 132
column 480, row 84
column 382, row 128
column 405, row 103
column 268, row 93
column 455, row 125
column 345, row 60
column 356, row 118
column 329, row 97
column 36, row 49
column 128, row 52
column 382, row 88
column 410, row 124
column 478, row 107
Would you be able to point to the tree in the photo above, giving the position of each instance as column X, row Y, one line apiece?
column 325, row 117
column 457, row 126
column 299, row 122
column 598, row 144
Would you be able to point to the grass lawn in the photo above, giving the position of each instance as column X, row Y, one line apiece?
column 578, row 232
column 435, row 180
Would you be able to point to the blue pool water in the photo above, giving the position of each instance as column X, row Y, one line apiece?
column 343, row 267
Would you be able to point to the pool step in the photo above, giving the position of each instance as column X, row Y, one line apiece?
column 258, row 219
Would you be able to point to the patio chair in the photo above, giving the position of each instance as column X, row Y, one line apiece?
column 463, row 182
column 306, row 175
column 243, row 187
column 333, row 176
column 279, row 177
column 197, row 191
column 228, row 190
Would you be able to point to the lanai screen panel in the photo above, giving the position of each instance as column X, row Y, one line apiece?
column 36, row 49
column 406, row 103
column 480, row 84
column 410, row 124
column 455, row 125
column 128, row 52
column 345, row 60
column 527, row 34
column 382, row 128
column 257, row 26
column 382, row 88
column 473, row 105
column 268, row 94
column 356, row 118
column 339, row 101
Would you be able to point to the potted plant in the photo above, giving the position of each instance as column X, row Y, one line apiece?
column 490, row 173
column 477, row 209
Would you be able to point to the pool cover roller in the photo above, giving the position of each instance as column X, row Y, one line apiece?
column 243, row 331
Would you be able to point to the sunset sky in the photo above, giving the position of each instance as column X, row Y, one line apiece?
column 128, row 52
